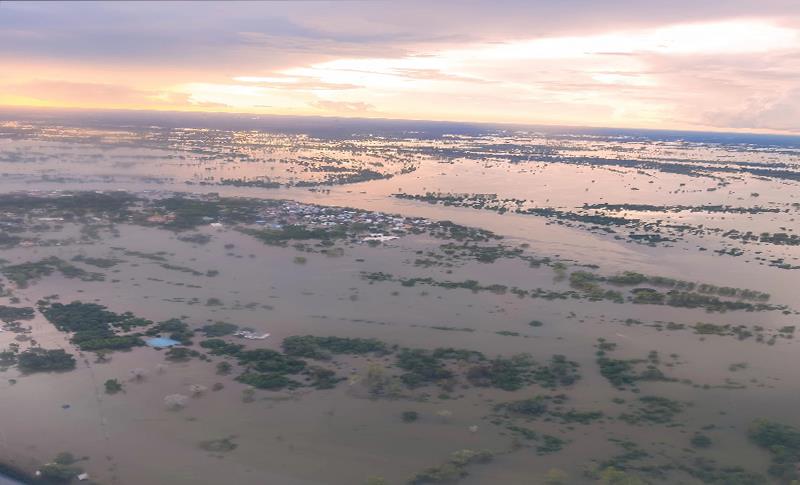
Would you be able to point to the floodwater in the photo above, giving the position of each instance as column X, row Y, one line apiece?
column 342, row 436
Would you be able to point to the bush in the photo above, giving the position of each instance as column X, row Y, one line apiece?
column 701, row 441
column 507, row 374
column 439, row 474
column 528, row 407
column 410, row 416
column 320, row 347
column 423, row 367
column 174, row 329
column 180, row 354
column 219, row 329
column 272, row 382
column 322, row 378
column 224, row 368
column 218, row 346
column 113, row 386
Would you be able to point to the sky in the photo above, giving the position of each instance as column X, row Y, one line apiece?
column 725, row 65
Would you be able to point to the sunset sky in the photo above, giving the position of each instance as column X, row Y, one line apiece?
column 719, row 65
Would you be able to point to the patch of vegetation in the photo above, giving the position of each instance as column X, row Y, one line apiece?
column 219, row 329
column 422, row 367
column 217, row 346
column 180, row 354
column 622, row 373
column 113, row 386
column 293, row 232
column 104, row 263
column 270, row 382
column 24, row 273
column 268, row 369
column 557, row 372
column 214, row 302
column 653, row 410
column 222, row 445
column 94, row 327
column 550, row 444
column 224, row 368
column 11, row 314
column 783, row 443
column 509, row 374
column 454, row 469
column 539, row 406
column 322, row 378
column 321, row 348
column 528, row 407
column 196, row 238
column 699, row 440
column 61, row 470
column 409, row 416
column 174, row 329
column 44, row 360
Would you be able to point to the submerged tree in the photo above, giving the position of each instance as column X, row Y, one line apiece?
column 175, row 402
column 138, row 374
column 197, row 390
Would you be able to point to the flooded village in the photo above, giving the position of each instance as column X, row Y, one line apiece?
column 506, row 306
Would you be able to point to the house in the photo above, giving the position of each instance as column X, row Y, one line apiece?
column 246, row 334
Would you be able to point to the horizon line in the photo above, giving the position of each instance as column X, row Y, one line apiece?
column 710, row 130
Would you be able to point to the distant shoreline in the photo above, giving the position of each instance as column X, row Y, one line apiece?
column 346, row 126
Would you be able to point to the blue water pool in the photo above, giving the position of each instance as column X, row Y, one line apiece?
column 161, row 343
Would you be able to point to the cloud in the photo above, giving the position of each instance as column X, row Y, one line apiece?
column 67, row 93
column 294, row 83
column 343, row 107
column 778, row 112
column 680, row 64
column 75, row 92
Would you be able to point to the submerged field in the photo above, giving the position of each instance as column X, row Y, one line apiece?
column 511, row 307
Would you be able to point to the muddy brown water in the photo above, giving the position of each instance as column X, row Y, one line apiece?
column 340, row 436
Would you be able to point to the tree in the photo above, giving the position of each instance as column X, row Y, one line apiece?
column 224, row 368
column 701, row 441
column 113, row 386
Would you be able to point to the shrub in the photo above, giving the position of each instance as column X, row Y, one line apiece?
column 113, row 386
column 409, row 416
column 224, row 368
column 219, row 329
column 701, row 441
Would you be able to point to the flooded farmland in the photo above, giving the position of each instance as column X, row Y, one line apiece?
column 376, row 304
